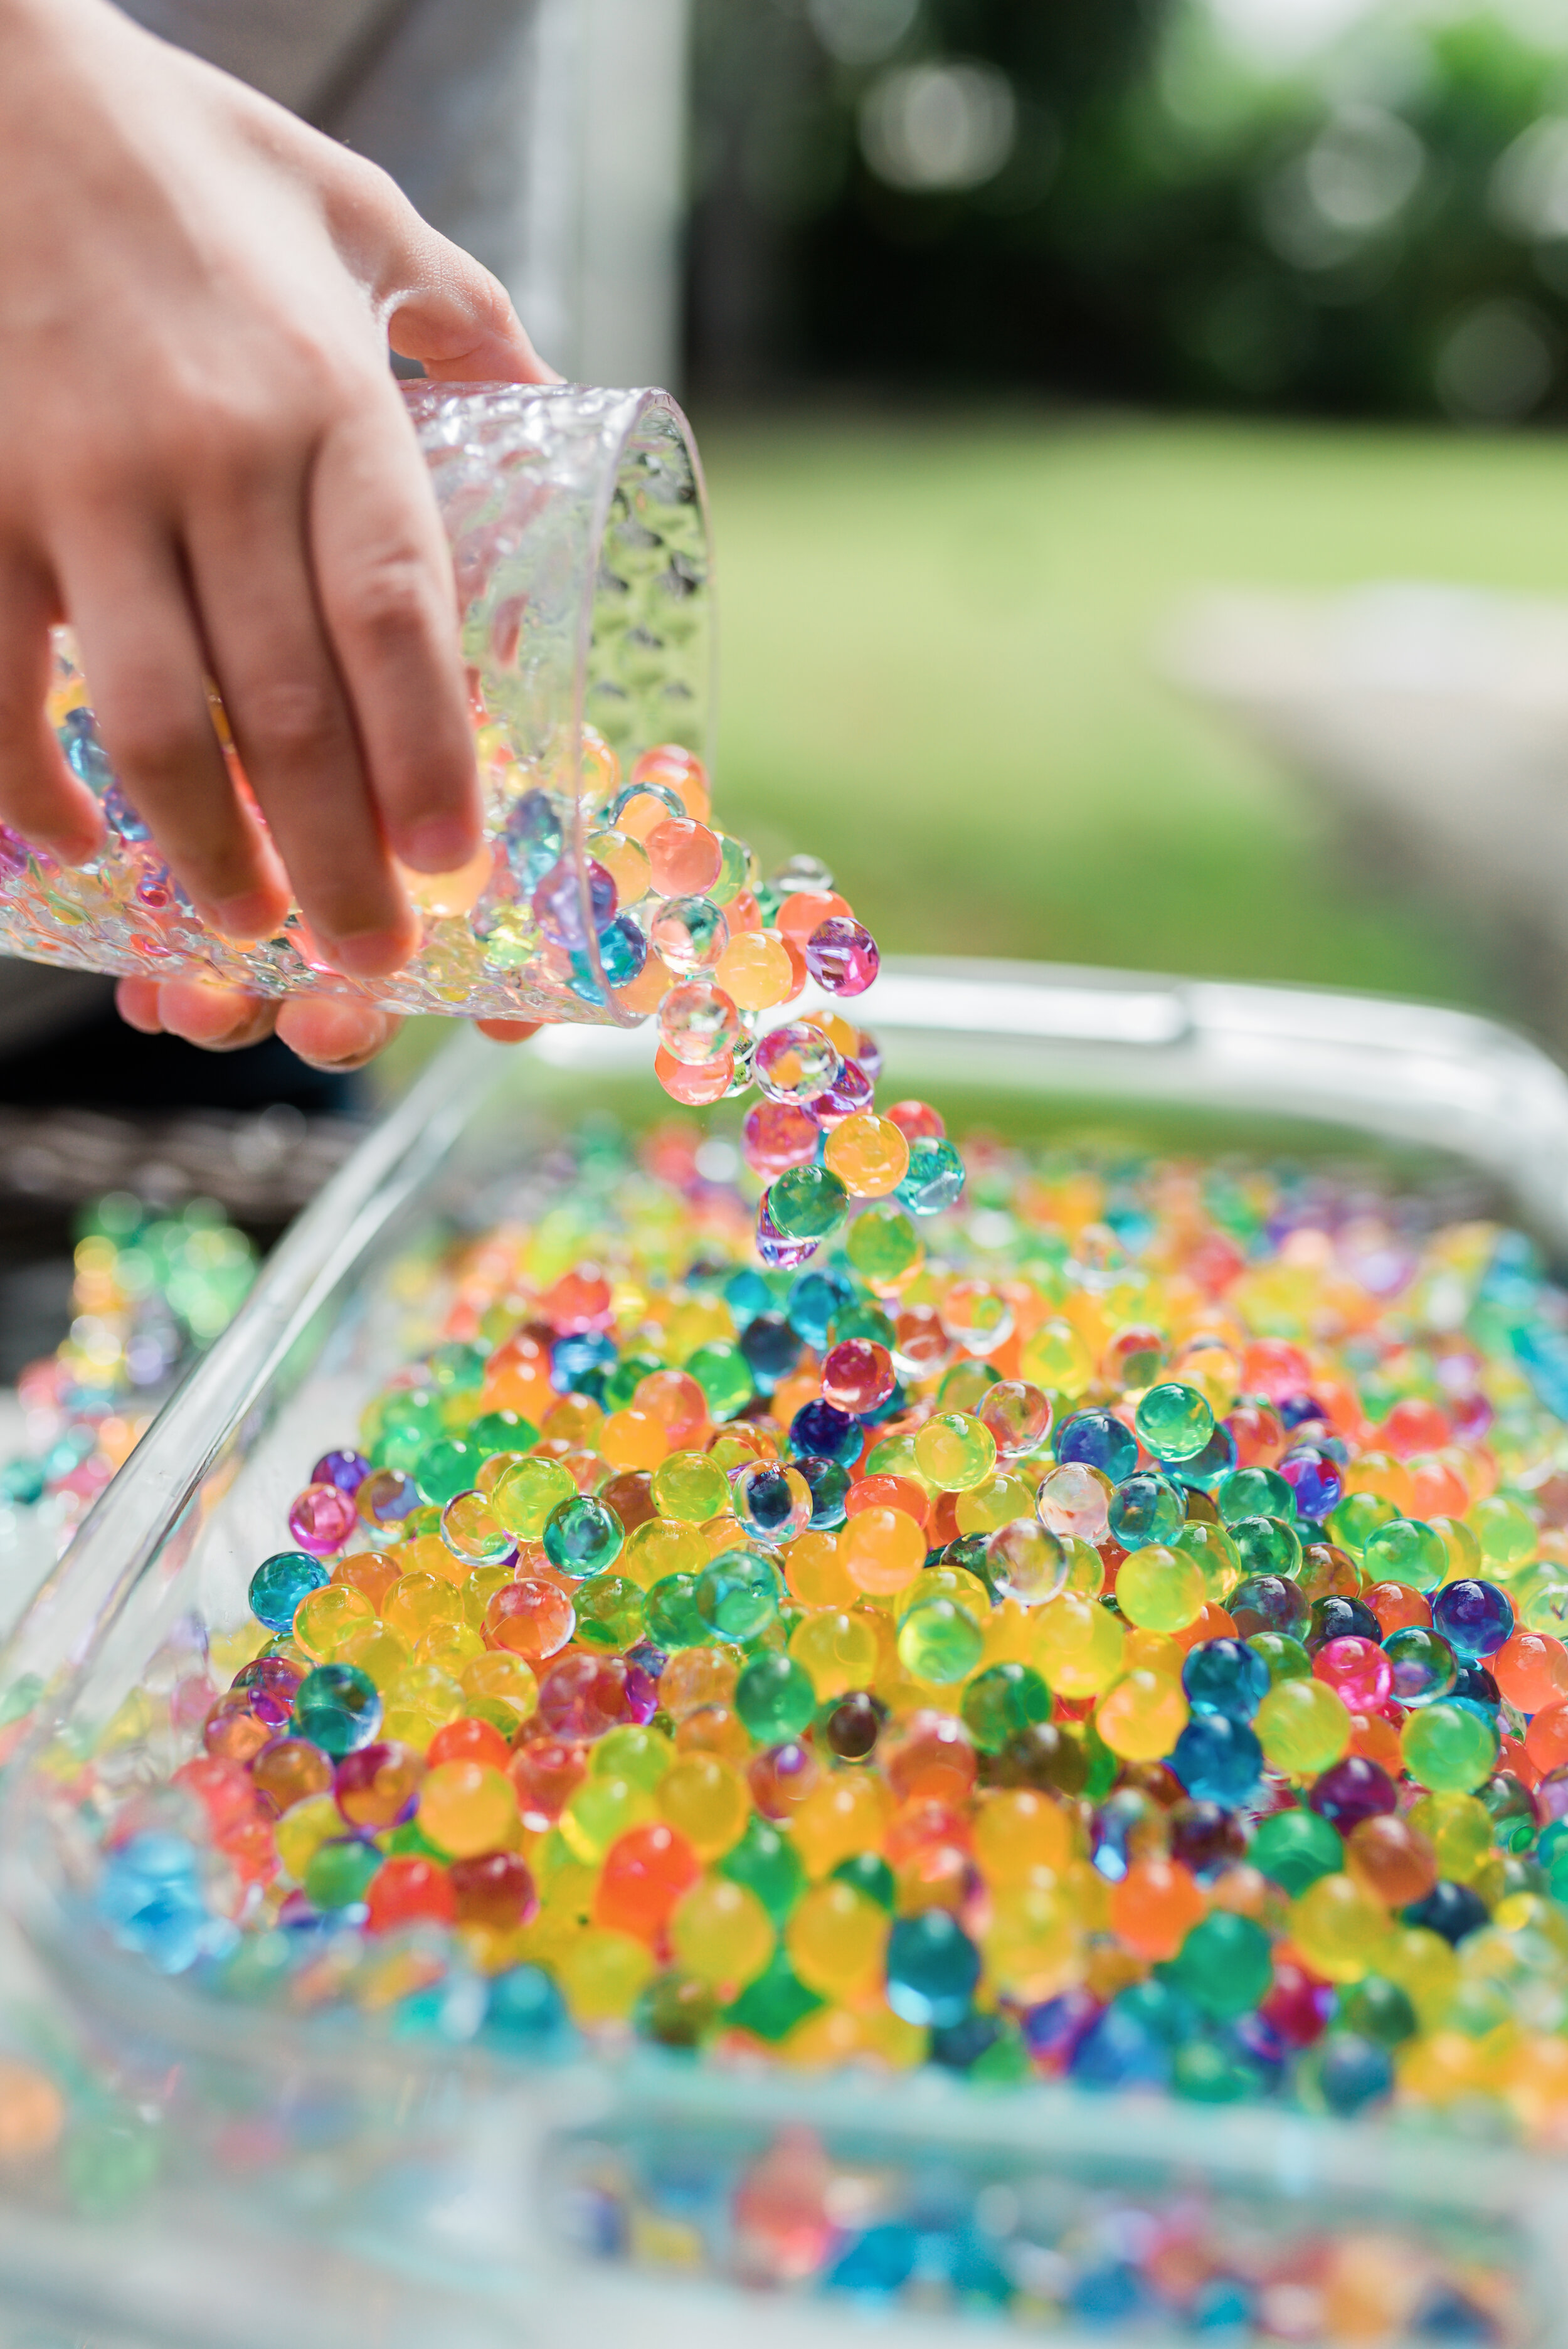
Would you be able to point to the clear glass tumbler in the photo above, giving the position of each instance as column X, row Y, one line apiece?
column 578, row 536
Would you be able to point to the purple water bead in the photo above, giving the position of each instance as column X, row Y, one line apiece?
column 13, row 853
column 558, row 902
column 1051, row 2031
column 321, row 1519
column 1316, row 1479
column 841, row 956
column 1476, row 1618
column 850, row 1092
column 346, row 1470
column 1353, row 1790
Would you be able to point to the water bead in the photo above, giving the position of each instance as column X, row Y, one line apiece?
column 772, row 1502
column 867, row 1153
column 881, row 1550
column 337, row 1708
column 609, row 1612
column 1476, row 1618
column 1405, row 1550
column 841, row 956
column 1173, row 1421
column 1161, row 1589
column 1255, row 1492
column 934, row 1179
column 1218, row 1758
column 1448, row 1748
column 1025, row 1564
column 1145, row 1509
column 378, row 1785
column 1356, row 1668
column 956, row 1451
column 737, row 1595
column 806, row 1203
column 344, row 1468
column 698, row 1023
column 688, row 933
column 796, row 1063
column 581, row 1535
column 280, row 1583
column 1303, row 1727
column 1315, row 1478
column 940, row 1641
column 530, row 1617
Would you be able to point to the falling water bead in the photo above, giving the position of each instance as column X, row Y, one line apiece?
column 842, row 956
column 806, row 1203
column 688, row 935
column 935, row 1177
column 1175, row 1422
column 796, row 1063
column 698, row 1022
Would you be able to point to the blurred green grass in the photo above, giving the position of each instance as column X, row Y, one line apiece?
column 936, row 670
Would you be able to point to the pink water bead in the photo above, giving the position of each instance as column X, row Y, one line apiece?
column 841, row 956
column 857, row 1375
column 321, row 1519
column 583, row 1696
column 776, row 1135
column 850, row 1093
column 1356, row 1670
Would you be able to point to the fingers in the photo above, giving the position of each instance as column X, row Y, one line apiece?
column 444, row 309
column 140, row 650
column 331, row 1032
column 383, row 577
column 507, row 1031
column 39, row 796
column 292, row 725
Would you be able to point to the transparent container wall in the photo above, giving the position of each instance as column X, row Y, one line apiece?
column 323, row 2175
column 579, row 541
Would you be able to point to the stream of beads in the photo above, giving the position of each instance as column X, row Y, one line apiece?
column 1105, row 1628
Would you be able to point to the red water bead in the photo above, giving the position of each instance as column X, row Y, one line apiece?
column 1546, row 1739
column 857, row 1374
column 922, row 1823
column 851, row 1092
column 784, row 2221
column 1436, row 1490
column 467, row 1740
column 922, row 1342
column 291, row 1770
column 685, row 858
column 1413, row 1426
column 1258, row 1434
column 583, row 1696
column 645, row 1873
column 547, row 1772
column 248, row 1847
column 1356, row 1670
column 1531, row 1670
column 696, row 1084
column 780, row 1778
column 630, row 1494
column 941, row 1525
column 841, row 956
column 378, row 1786
column 678, row 1404
column 527, row 1351
column 889, row 1492
column 1298, row 2008
column 1374, row 1738
column 1512, row 1756
column 408, row 1890
column 931, row 1758
column 233, row 1732
column 224, row 1788
column 578, row 1302
column 531, row 1618
column 1274, row 1369
column 1214, row 1264
column 1399, row 1607
column 916, row 1121
column 495, row 1888
column 322, row 1518
column 806, row 911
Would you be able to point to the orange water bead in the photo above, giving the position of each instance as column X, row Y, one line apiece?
column 1156, row 1906
column 756, row 971
column 634, row 1438
column 933, row 1876
column 781, row 1778
column 517, row 1375
column 1376, row 1738
column 1380, row 1473
column 715, row 1729
column 685, row 858
column 697, row 1086
column 530, row 1617
column 646, row 1872
column 1258, row 1432
column 1546, row 1739
column 232, row 1733
column 869, row 1155
column 678, row 770
column 846, row 1812
column 1436, row 1490
column 469, row 1739
column 679, row 1403
column 1399, row 1607
column 546, row 1772
column 291, row 1770
column 696, row 1677
column 1414, row 1426
column 882, row 1550
column 1530, row 1669
column 807, row 909
column 931, row 1757
column 1017, row 1830
column 1391, row 1861
column 372, row 1572
column 889, row 1492
column 815, row 1573
column 648, row 989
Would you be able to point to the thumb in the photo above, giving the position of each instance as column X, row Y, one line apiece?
column 459, row 320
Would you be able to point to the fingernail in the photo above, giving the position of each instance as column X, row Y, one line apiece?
column 369, row 954
column 439, row 844
column 253, row 913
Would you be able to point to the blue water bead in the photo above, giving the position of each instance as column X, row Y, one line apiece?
column 558, row 901
column 1146, row 1509
column 748, row 1294
column 280, row 1582
column 1474, row 1618
column 773, row 1349
column 933, row 1967
column 1425, row 1666
column 1451, row 1909
column 1098, row 1439
column 345, row 1469
column 1218, row 1758
column 577, row 1355
column 532, row 835
column 338, row 1708
column 21, row 1481
column 829, row 1484
column 1223, row 2304
column 1336, row 1616
column 1116, row 1822
column 1474, row 1686
column 1053, row 2029
column 959, row 2045
column 1315, row 1478
column 1207, row 1470
column 85, row 754
column 816, row 1298
column 623, row 950
column 1224, row 1676
column 825, row 1433
column 150, row 1896
column 935, row 1177
column 1108, row 2296
column 879, row 2262
column 1118, row 2050
column 1349, row 2073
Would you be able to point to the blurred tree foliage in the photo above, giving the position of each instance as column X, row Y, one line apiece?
column 1138, row 212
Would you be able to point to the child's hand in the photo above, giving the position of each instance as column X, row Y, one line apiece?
column 327, row 1031
column 207, row 466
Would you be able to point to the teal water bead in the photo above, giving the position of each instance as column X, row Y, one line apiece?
column 940, row 1641
column 737, row 1595
column 1145, row 1510
column 767, row 1864
column 934, row 1178
column 868, row 1872
column 338, row 1873
column 1226, row 1965
column 446, row 1468
column 1293, row 1849
column 583, row 1536
column 280, row 1582
column 671, row 1617
column 455, row 1368
column 1406, row 1550
column 610, row 1612
column 1254, row 1493
column 807, row 1202
column 1266, row 1545
column 776, row 1698
column 410, row 1421
column 338, row 1708
column 998, row 1702
column 1173, row 1421
column 1425, row 1666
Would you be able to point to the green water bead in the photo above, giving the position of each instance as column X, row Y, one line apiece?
column 1254, row 1493
column 776, row 1698
column 409, row 1421
column 583, row 1536
column 454, row 1365
column 940, row 1641
column 1293, row 1849
column 775, row 2002
column 882, row 1243
column 1449, row 1749
column 724, row 1374
column 807, row 1202
column 634, row 1751
column 868, row 1872
column 690, row 1486
column 338, row 1873
column 622, row 1381
column 1174, row 1421
column 526, row 1496
column 1358, row 1518
column 609, row 1612
column 1505, row 1530
column 1211, row 1549
column 737, row 1595
column 1379, row 2009
column 767, row 1864
column 501, row 1430
column 1008, row 1697
column 670, row 1613
column 446, row 1468
column 1286, row 1658
column 1226, row 1965
column 1266, row 1545
column 1406, row 1550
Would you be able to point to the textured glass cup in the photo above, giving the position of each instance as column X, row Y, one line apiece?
column 579, row 538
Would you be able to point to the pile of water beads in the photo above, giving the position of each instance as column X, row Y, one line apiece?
column 596, row 895
column 150, row 1290
column 1108, row 1631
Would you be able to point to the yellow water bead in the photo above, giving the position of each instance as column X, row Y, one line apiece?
column 838, row 1648
column 837, row 1941
column 1339, row 1930
column 325, row 1619
column 706, row 1800
column 603, row 1975
column 721, row 1933
column 1033, row 1945
column 841, row 1816
column 1078, row 1645
column 301, row 1832
column 815, row 1574
column 998, row 1501
column 1017, row 1831
column 1142, row 1715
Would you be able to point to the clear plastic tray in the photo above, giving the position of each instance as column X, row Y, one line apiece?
column 319, row 2184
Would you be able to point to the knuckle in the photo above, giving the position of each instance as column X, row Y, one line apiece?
column 292, row 719
column 389, row 601
column 154, row 739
